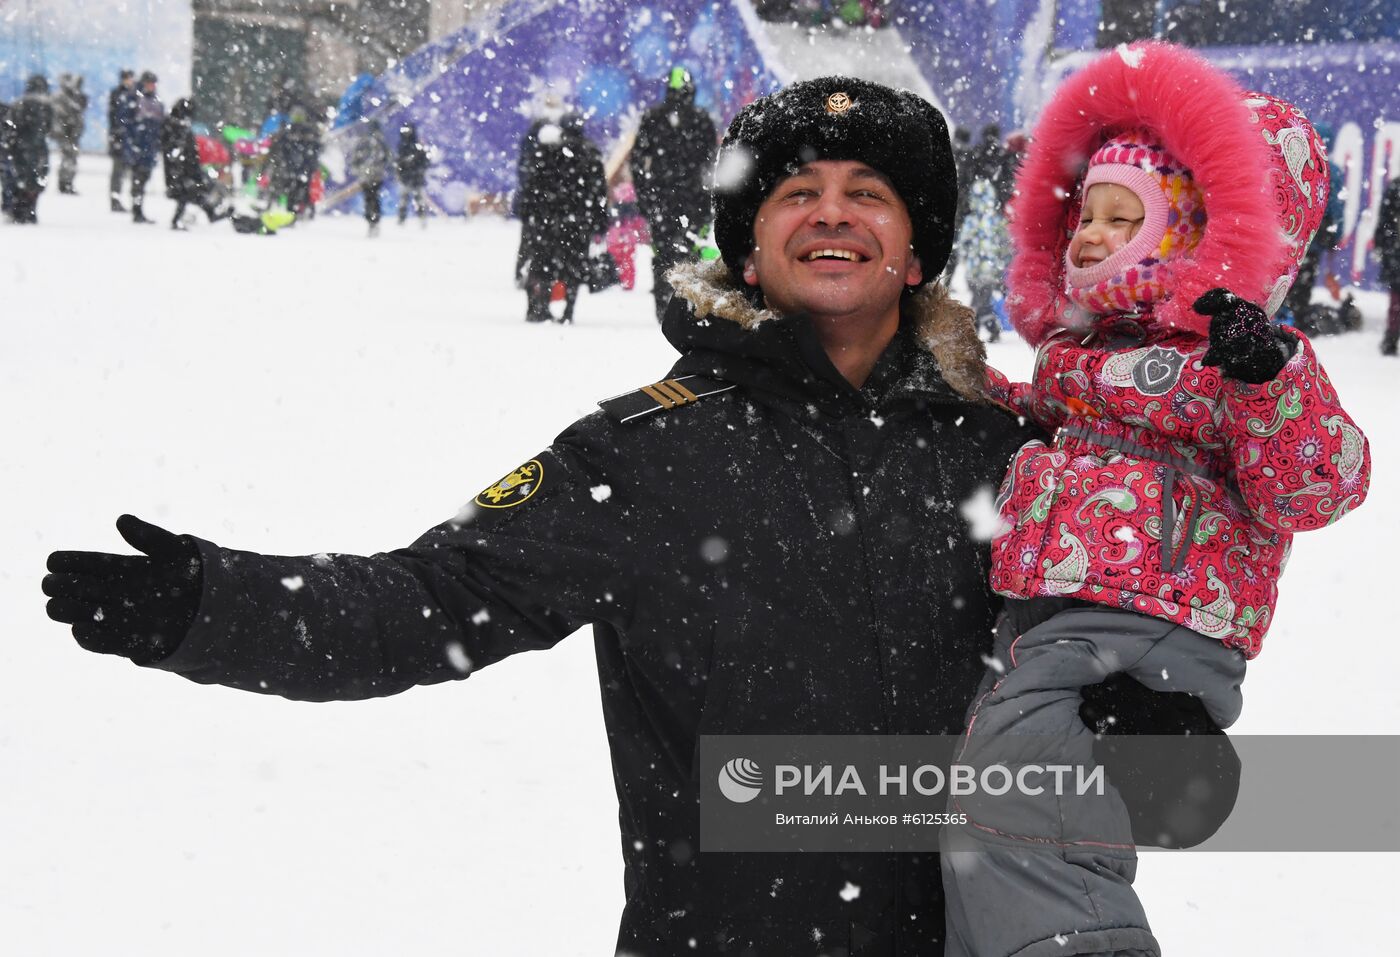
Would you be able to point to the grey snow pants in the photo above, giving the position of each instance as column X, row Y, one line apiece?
column 1040, row 875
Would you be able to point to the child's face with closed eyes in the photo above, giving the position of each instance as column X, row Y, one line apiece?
column 1111, row 215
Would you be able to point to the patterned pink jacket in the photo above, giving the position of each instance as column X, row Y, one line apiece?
column 1169, row 489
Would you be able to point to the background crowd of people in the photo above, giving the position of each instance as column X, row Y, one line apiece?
column 282, row 161
column 372, row 163
column 820, row 13
column 581, row 223
column 582, row 217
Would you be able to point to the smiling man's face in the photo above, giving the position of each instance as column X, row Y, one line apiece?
column 833, row 241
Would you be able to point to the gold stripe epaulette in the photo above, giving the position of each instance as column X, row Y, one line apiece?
column 666, row 394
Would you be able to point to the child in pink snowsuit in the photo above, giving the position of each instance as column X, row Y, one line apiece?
column 627, row 228
column 1160, row 217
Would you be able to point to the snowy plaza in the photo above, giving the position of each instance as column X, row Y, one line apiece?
column 317, row 392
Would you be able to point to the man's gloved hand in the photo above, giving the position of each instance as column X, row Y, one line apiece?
column 137, row 606
column 1121, row 705
column 1243, row 343
column 1179, row 787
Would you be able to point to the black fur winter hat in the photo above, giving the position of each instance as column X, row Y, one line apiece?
column 838, row 118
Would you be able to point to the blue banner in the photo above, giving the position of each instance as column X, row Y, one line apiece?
column 474, row 94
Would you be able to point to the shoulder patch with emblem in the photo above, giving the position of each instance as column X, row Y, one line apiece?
column 666, row 394
column 514, row 489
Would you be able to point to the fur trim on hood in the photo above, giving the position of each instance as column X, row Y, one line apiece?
column 944, row 327
column 1203, row 119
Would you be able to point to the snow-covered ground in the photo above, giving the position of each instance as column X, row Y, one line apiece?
column 320, row 391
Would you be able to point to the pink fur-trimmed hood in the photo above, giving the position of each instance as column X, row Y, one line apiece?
column 1259, row 164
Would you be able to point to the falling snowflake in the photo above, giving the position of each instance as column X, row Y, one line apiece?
column 733, row 169
column 980, row 512
column 302, row 635
column 457, row 657
column 714, row 549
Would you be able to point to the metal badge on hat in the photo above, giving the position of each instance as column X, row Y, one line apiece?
column 838, row 103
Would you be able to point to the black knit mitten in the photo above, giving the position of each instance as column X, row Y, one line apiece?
column 1243, row 343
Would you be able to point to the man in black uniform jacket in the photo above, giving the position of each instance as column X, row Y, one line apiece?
column 767, row 540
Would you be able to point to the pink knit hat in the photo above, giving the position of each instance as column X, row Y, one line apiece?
column 1173, row 225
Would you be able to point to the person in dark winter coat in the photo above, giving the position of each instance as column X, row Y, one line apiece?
column 185, row 181
column 121, row 113
column 294, row 158
column 767, row 540
column 963, row 152
column 562, row 204
column 531, row 150
column 369, row 164
column 671, row 162
column 411, row 165
column 7, row 181
column 27, row 148
column 991, row 161
column 141, row 142
column 1388, row 248
column 1321, row 249
column 69, row 107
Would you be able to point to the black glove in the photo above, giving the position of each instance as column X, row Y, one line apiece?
column 1243, row 343
column 1118, row 704
column 1180, row 786
column 137, row 606
column 1121, row 705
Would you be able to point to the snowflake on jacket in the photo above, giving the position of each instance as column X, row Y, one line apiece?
column 1169, row 488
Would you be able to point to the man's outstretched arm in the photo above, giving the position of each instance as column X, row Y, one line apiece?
column 535, row 558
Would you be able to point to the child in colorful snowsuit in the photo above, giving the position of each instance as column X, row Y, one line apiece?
column 1192, row 439
column 626, row 228
column 1388, row 246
